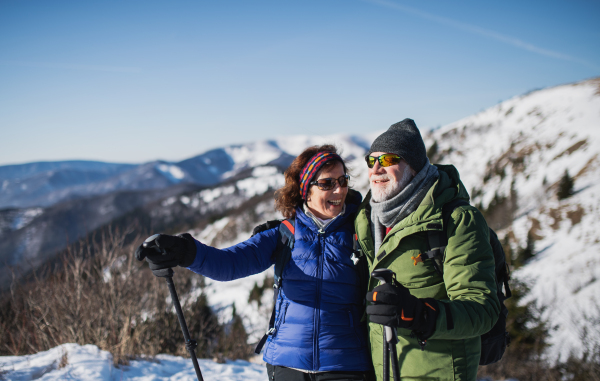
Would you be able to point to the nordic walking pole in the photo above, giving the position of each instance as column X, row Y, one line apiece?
column 386, row 355
column 168, row 275
column 390, row 336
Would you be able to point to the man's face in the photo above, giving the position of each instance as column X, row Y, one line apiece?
column 386, row 182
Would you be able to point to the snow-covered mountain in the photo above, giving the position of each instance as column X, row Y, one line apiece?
column 510, row 157
column 47, row 183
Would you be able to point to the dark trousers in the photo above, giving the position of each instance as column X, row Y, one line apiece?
column 281, row 373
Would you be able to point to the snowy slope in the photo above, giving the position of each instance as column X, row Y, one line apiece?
column 88, row 363
column 526, row 144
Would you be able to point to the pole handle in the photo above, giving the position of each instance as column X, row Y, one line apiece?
column 390, row 335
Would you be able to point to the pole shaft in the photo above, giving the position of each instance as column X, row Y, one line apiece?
column 184, row 328
column 395, row 366
column 392, row 341
column 386, row 357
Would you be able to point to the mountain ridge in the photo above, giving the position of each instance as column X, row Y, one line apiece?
column 43, row 184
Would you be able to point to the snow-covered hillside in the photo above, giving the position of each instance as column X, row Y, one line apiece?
column 517, row 151
column 88, row 363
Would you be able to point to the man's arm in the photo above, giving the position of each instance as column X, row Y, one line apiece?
column 469, row 277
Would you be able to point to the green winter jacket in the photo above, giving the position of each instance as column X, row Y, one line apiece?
column 466, row 292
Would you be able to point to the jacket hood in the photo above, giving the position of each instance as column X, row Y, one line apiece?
column 448, row 187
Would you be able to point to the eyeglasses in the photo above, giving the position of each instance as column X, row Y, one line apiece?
column 385, row 160
column 329, row 183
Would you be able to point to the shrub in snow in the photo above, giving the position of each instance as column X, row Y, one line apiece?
column 565, row 186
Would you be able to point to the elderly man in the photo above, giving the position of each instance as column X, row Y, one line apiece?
column 439, row 309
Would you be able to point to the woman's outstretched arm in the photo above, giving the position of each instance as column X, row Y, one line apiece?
column 246, row 258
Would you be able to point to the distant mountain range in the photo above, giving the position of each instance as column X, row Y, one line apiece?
column 511, row 158
column 48, row 183
column 48, row 205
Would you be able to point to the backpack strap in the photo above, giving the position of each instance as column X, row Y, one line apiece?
column 438, row 239
column 361, row 266
column 281, row 255
column 502, row 269
column 266, row 226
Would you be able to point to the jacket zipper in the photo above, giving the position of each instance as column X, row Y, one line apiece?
column 320, row 261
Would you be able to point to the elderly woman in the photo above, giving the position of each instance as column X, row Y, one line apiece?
column 317, row 332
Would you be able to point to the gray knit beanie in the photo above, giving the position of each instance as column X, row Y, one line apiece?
column 403, row 139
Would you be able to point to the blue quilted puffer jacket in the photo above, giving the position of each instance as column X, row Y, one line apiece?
column 320, row 304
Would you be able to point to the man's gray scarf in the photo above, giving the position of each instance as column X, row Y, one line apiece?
column 389, row 212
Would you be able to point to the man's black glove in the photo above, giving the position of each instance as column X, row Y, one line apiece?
column 169, row 251
column 394, row 306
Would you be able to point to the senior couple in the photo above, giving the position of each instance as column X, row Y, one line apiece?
column 324, row 329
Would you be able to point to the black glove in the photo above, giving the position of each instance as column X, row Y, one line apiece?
column 169, row 251
column 394, row 306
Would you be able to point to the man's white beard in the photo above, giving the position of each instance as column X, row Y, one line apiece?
column 391, row 188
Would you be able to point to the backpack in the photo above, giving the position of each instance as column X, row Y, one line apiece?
column 494, row 342
column 282, row 255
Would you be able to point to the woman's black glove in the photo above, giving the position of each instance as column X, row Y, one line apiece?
column 168, row 251
column 394, row 306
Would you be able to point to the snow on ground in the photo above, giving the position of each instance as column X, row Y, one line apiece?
column 88, row 363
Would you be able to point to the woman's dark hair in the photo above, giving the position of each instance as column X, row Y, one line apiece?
column 289, row 197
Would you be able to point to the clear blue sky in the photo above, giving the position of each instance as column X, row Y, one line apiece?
column 138, row 80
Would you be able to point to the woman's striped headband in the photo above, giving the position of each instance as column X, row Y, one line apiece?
column 312, row 167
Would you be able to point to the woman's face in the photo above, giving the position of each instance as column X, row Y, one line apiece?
column 327, row 204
